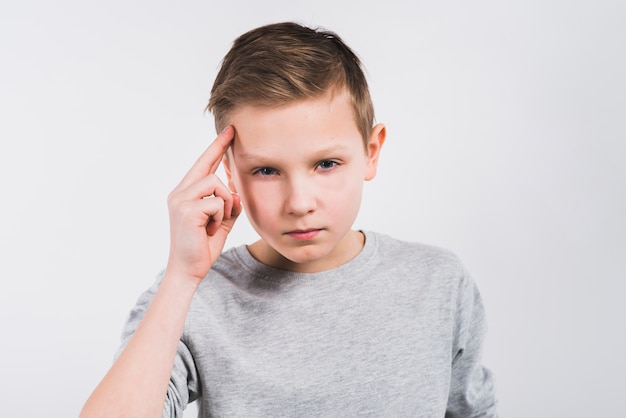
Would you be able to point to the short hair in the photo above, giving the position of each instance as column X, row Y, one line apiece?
column 281, row 63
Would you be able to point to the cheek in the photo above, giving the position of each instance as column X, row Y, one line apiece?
column 342, row 197
column 259, row 199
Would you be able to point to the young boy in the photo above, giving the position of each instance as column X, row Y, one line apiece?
column 313, row 319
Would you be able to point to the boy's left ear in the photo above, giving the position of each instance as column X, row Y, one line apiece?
column 375, row 143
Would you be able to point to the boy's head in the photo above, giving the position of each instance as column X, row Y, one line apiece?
column 303, row 144
column 282, row 63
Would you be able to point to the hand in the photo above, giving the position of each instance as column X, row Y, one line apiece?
column 202, row 213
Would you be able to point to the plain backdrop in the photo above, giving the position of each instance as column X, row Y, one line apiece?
column 506, row 144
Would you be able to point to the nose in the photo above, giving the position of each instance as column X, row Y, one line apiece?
column 300, row 197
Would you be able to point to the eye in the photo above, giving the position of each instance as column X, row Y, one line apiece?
column 327, row 164
column 265, row 171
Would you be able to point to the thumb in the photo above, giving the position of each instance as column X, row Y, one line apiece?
column 237, row 209
column 219, row 239
column 237, row 206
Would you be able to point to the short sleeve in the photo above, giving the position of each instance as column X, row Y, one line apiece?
column 183, row 387
column 472, row 392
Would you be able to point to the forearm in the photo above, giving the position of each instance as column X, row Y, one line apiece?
column 202, row 213
column 136, row 384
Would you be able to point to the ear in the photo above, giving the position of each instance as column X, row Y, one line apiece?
column 375, row 143
column 229, row 174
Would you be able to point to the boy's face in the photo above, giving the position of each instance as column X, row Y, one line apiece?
column 299, row 170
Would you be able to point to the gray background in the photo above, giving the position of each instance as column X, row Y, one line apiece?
column 506, row 124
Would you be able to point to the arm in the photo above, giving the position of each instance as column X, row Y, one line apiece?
column 471, row 388
column 136, row 384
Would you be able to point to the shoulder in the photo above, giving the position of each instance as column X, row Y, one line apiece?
column 229, row 260
column 231, row 268
column 433, row 275
column 416, row 255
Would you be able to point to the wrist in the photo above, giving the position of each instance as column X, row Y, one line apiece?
column 181, row 280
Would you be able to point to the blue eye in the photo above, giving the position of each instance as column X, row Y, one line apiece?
column 266, row 171
column 327, row 164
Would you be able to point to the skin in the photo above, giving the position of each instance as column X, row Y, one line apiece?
column 299, row 169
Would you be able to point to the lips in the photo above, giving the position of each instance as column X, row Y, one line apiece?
column 304, row 234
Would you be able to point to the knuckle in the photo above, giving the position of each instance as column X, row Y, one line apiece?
column 173, row 199
column 217, row 203
column 185, row 209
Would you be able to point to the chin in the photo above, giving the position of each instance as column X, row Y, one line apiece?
column 303, row 255
column 303, row 259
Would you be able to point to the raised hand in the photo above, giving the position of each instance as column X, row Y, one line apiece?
column 202, row 213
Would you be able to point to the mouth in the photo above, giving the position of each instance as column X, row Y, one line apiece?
column 304, row 234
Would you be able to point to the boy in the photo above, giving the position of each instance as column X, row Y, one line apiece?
column 313, row 319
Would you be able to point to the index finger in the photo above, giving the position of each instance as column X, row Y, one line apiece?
column 210, row 159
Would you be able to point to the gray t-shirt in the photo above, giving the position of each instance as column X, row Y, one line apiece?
column 395, row 332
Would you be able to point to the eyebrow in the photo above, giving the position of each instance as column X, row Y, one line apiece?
column 321, row 152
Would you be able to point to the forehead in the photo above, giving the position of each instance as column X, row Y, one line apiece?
column 323, row 119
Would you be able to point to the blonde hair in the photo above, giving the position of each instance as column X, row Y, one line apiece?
column 281, row 63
